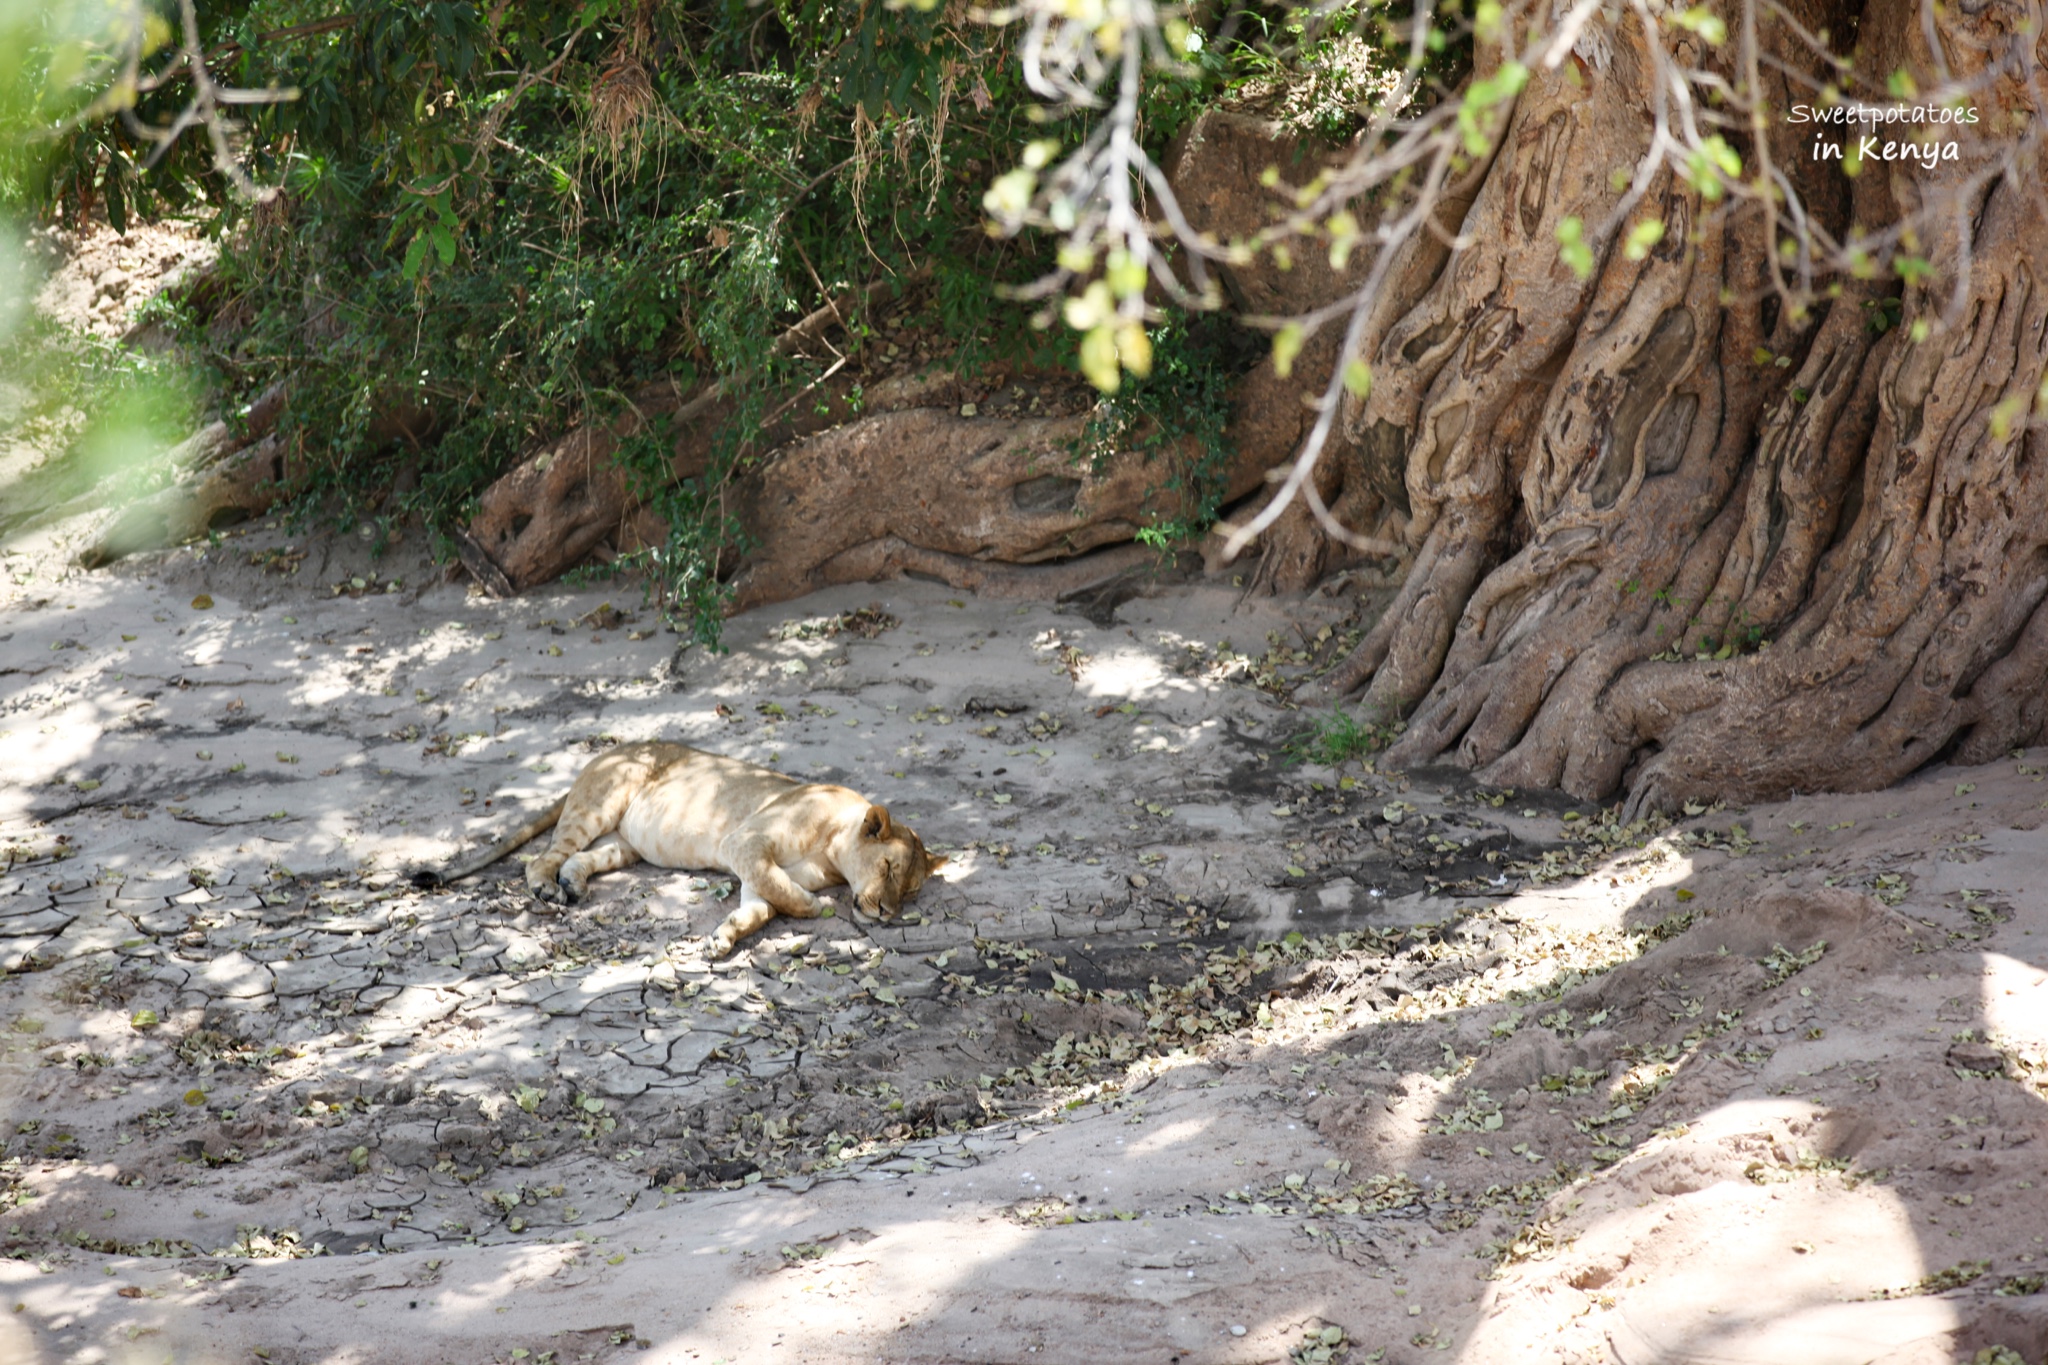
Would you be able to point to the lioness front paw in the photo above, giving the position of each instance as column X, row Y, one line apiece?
column 721, row 943
column 550, row 891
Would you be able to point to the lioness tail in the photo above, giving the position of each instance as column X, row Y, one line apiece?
column 539, row 824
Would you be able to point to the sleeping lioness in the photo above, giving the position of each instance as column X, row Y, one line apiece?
column 675, row 806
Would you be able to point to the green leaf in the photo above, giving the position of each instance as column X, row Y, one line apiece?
column 1642, row 237
column 1711, row 165
column 1481, row 97
column 415, row 257
column 116, row 201
column 1099, row 359
column 1010, row 195
column 1358, row 381
column 1504, row 84
column 2005, row 414
column 1913, row 269
column 1287, row 344
column 1134, row 349
column 1344, row 235
column 1126, row 276
column 1572, row 248
column 1704, row 22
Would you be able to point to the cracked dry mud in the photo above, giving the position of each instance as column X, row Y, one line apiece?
column 1192, row 1054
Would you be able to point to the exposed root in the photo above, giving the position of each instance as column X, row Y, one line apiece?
column 227, row 477
column 890, row 557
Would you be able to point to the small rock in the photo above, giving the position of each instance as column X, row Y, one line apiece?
column 1140, row 880
column 1976, row 1057
column 968, row 409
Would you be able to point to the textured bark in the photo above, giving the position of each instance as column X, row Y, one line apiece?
column 566, row 501
column 1217, row 168
column 560, row 503
column 1643, row 560
column 862, row 478
column 968, row 500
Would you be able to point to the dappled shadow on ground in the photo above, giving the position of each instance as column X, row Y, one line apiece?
column 1488, row 1065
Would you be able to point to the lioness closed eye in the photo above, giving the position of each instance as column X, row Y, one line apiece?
column 675, row 806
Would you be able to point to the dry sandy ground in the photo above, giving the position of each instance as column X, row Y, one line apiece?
column 1072, row 1112
column 1194, row 1054
column 101, row 278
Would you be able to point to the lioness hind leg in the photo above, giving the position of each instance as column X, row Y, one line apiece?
column 579, row 825
column 596, row 803
column 607, row 856
column 752, row 916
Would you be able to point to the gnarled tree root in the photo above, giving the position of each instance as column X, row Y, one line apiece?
column 890, row 557
column 227, row 477
column 1649, row 563
column 547, row 514
column 962, row 497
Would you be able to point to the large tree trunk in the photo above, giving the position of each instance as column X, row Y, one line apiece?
column 1650, row 556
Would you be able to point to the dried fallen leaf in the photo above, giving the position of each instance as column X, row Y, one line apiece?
column 202, row 603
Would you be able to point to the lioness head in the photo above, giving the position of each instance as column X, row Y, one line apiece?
column 887, row 864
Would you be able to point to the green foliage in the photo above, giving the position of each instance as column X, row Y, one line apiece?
column 1180, row 411
column 1338, row 737
column 498, row 222
column 106, row 415
column 1572, row 247
column 505, row 231
column 683, row 572
column 55, row 61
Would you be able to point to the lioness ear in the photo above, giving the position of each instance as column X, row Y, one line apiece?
column 876, row 826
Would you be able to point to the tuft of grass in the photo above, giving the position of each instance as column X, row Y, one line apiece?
column 1340, row 736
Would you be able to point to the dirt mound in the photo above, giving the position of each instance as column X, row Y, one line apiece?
column 101, row 280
